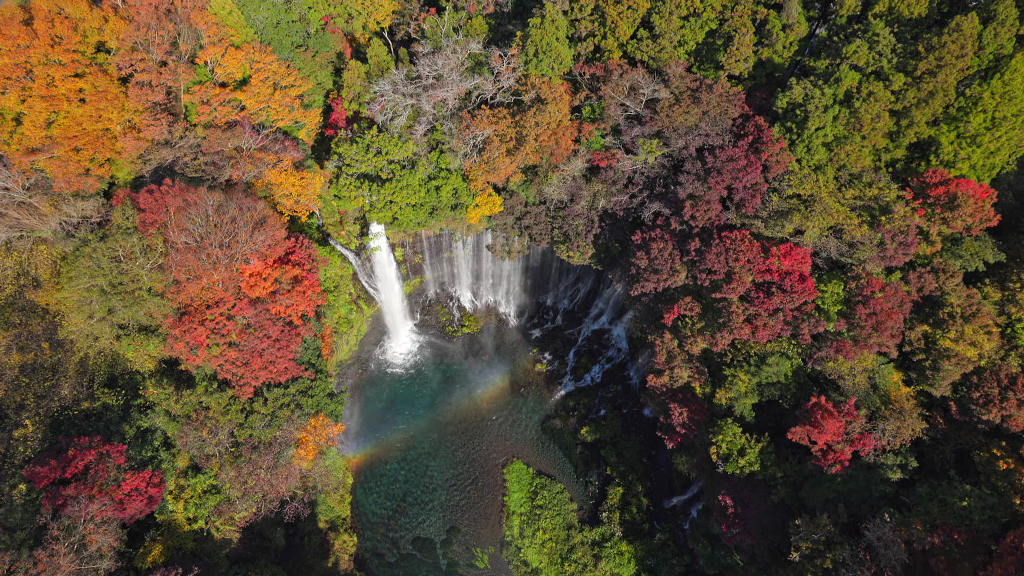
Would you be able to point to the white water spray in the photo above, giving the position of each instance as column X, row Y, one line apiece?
column 383, row 281
column 539, row 288
column 401, row 341
column 478, row 279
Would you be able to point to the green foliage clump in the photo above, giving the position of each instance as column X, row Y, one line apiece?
column 385, row 177
column 111, row 292
column 546, row 51
column 344, row 312
column 297, row 32
column 733, row 451
column 466, row 324
column 543, row 537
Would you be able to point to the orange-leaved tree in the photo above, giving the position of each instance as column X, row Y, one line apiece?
column 246, row 80
column 62, row 110
column 501, row 142
column 317, row 435
column 155, row 56
column 294, row 192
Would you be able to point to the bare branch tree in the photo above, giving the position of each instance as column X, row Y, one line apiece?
column 452, row 73
column 27, row 210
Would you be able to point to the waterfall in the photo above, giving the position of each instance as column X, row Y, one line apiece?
column 539, row 290
column 383, row 281
column 578, row 305
column 475, row 277
column 401, row 341
column 677, row 500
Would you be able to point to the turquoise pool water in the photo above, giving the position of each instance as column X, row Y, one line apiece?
column 429, row 444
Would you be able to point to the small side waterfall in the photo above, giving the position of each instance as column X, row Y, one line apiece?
column 401, row 342
column 677, row 500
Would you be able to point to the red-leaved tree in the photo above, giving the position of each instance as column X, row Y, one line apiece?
column 252, row 332
column 1009, row 557
column 832, row 433
column 657, row 263
column 672, row 382
column 338, row 120
column 874, row 321
column 243, row 289
column 996, row 396
column 758, row 291
column 732, row 178
column 951, row 205
column 91, row 471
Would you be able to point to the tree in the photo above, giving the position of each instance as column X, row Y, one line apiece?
column 547, row 52
column 674, row 29
column 93, row 471
column 675, row 383
column 864, row 221
column 996, row 397
column 385, row 177
column 248, row 81
column 657, row 263
column 951, row 206
column 1008, row 556
column 952, row 329
column 83, row 541
column 42, row 375
column 244, row 291
column 755, row 291
column 111, row 292
column 733, row 178
column 236, row 462
column 944, row 63
column 838, row 116
column 156, row 52
column 980, row 136
column 63, row 111
column 832, row 433
column 316, row 436
column 874, row 321
column 733, row 451
column 500, row 142
column 605, row 27
column 543, row 535
column 294, row 192
column 251, row 332
column 445, row 82
column 208, row 235
column 27, row 210
column 310, row 33
column 752, row 38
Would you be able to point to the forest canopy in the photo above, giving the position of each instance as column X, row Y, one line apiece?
column 812, row 210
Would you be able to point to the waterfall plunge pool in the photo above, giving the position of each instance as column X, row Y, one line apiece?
column 431, row 428
column 428, row 447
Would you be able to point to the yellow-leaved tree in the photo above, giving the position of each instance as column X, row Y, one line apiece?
column 247, row 81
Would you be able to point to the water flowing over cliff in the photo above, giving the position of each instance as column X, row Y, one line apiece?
column 402, row 340
column 538, row 291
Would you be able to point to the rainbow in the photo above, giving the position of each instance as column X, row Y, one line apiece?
column 493, row 391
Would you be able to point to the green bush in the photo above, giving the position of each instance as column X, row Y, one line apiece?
column 543, row 537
